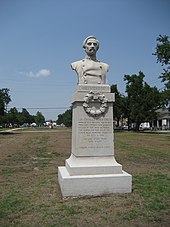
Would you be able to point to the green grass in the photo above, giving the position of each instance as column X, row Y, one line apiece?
column 132, row 214
column 43, row 151
column 154, row 191
column 43, row 128
column 12, row 204
column 69, row 210
column 7, row 171
column 32, row 197
column 139, row 145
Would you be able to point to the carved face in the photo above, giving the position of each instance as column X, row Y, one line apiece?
column 91, row 46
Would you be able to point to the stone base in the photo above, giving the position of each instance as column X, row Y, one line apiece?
column 92, row 170
column 92, row 165
column 93, row 185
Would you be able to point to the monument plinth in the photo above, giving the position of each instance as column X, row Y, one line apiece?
column 92, row 169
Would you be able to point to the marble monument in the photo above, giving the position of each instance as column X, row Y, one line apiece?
column 91, row 168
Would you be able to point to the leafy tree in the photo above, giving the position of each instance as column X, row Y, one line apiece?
column 60, row 119
column 118, row 105
column 13, row 116
column 162, row 52
column 142, row 99
column 4, row 100
column 65, row 118
column 39, row 118
column 126, row 110
column 24, row 117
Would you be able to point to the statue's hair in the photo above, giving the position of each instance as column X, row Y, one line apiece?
column 90, row 37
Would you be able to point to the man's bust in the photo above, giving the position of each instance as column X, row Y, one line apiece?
column 90, row 70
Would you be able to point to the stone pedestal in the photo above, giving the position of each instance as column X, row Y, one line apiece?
column 92, row 168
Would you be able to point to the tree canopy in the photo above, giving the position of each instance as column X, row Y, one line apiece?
column 143, row 100
column 4, row 100
column 162, row 52
column 39, row 118
column 119, row 107
column 65, row 118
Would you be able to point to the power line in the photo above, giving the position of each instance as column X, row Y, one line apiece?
column 41, row 108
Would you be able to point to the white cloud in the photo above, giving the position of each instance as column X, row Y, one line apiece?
column 43, row 73
column 40, row 73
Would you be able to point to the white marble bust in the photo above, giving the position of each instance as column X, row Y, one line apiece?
column 89, row 70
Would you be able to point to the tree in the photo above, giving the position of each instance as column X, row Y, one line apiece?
column 142, row 99
column 4, row 100
column 65, row 118
column 162, row 52
column 24, row 117
column 118, row 105
column 39, row 118
column 12, row 116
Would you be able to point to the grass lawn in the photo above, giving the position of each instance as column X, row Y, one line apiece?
column 30, row 194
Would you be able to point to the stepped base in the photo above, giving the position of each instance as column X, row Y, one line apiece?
column 93, row 185
column 92, row 165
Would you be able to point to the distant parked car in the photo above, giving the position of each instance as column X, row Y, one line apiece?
column 145, row 126
column 24, row 125
column 33, row 124
column 125, row 127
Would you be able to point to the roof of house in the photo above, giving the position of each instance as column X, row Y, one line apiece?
column 163, row 113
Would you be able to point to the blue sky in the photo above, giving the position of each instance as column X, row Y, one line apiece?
column 39, row 39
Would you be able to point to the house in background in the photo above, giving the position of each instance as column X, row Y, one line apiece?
column 163, row 119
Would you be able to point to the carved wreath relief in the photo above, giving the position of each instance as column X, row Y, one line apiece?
column 95, row 97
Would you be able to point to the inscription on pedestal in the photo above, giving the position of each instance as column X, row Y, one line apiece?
column 95, row 133
column 104, row 88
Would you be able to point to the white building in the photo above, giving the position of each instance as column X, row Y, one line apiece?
column 163, row 119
